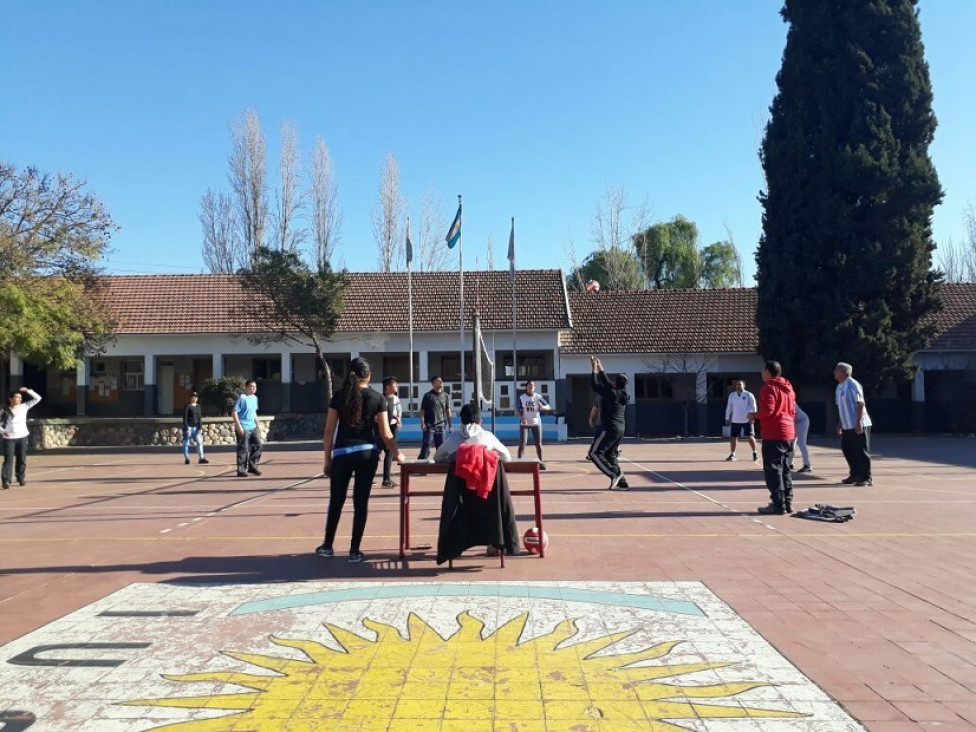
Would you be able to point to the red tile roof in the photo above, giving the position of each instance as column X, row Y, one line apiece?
column 661, row 321
column 956, row 324
column 157, row 304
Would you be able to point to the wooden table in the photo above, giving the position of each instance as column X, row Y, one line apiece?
column 422, row 467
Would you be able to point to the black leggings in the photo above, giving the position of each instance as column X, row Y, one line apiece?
column 536, row 431
column 363, row 465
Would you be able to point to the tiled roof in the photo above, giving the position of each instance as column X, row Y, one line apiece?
column 956, row 324
column 157, row 304
column 660, row 321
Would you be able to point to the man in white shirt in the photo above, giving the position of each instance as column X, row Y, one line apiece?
column 740, row 414
column 853, row 426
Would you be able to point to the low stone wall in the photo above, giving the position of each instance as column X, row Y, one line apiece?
column 52, row 433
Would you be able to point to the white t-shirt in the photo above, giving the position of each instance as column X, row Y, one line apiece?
column 530, row 409
column 740, row 406
column 15, row 426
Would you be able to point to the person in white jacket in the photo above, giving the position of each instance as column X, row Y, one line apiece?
column 14, row 434
column 473, row 433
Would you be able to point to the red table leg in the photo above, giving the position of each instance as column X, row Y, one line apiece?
column 537, row 495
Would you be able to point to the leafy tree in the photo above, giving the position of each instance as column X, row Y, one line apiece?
column 669, row 256
column 220, row 394
column 51, row 234
column 614, row 269
column 290, row 302
column 844, row 261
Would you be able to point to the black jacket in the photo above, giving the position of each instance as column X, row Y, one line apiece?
column 468, row 521
column 613, row 401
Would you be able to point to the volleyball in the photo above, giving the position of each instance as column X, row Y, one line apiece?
column 531, row 542
column 592, row 286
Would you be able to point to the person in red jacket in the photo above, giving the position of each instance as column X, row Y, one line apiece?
column 775, row 412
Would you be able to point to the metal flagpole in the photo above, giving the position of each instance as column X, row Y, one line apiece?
column 511, row 279
column 410, row 315
column 461, row 308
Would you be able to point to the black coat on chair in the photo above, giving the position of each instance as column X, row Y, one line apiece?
column 467, row 520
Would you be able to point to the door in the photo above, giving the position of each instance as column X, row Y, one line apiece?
column 165, row 379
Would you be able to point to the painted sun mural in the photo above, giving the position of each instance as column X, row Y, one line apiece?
column 467, row 681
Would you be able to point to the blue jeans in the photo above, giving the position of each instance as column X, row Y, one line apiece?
column 435, row 434
column 192, row 433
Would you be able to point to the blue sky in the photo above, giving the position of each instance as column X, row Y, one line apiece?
column 529, row 110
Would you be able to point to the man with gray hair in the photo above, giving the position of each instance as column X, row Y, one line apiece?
column 853, row 426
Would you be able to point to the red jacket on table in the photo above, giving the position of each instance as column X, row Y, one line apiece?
column 776, row 409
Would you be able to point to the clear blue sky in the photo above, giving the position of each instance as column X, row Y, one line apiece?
column 529, row 109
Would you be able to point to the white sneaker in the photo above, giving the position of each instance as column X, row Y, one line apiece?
column 730, row 458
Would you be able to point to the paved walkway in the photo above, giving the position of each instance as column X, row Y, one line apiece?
column 879, row 613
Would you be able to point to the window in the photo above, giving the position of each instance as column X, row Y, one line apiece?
column 133, row 377
column 649, row 386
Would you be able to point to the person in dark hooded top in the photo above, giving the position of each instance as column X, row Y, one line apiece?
column 613, row 410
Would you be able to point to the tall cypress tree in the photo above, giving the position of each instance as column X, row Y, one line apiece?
column 845, row 258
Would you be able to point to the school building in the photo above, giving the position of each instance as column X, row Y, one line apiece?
column 679, row 349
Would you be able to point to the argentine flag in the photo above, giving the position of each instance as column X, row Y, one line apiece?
column 454, row 233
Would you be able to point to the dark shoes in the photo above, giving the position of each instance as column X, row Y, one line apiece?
column 862, row 483
column 771, row 510
column 805, row 469
column 253, row 471
column 186, row 461
column 849, row 480
column 6, row 486
column 542, row 466
column 387, row 483
column 356, row 557
column 204, row 461
column 324, row 551
column 241, row 474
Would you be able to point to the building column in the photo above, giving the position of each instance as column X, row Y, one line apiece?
column 701, row 399
column 16, row 372
column 630, row 427
column 286, row 377
column 218, row 365
column 81, row 387
column 919, row 422
column 149, row 381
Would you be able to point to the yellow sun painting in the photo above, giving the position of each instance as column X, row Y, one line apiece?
column 465, row 683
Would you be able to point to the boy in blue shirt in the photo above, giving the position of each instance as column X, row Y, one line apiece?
column 245, row 416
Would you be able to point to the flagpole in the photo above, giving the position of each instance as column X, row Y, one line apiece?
column 461, row 307
column 410, row 315
column 511, row 279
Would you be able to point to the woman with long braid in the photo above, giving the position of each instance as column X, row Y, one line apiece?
column 356, row 422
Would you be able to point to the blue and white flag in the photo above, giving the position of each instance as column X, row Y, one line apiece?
column 454, row 233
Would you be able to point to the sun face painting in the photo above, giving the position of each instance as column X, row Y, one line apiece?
column 468, row 681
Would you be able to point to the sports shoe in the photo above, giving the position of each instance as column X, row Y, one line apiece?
column 186, row 461
column 542, row 466
column 849, row 481
column 241, row 474
column 730, row 458
column 204, row 461
column 387, row 483
column 325, row 551
column 589, row 457
column 805, row 469
column 254, row 471
column 6, row 486
column 356, row 557
column 755, row 457
column 771, row 510
column 861, row 483
column 623, row 484
column 615, row 483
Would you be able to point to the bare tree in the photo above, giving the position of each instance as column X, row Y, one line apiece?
column 223, row 248
column 614, row 224
column 248, row 181
column 682, row 372
column 575, row 279
column 326, row 214
column 950, row 260
column 432, row 254
column 289, row 198
column 387, row 214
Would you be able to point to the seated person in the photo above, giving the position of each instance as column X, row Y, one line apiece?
column 471, row 433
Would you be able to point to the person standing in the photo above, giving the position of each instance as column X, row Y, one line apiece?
column 853, row 426
column 801, row 422
column 14, row 434
column 357, row 420
column 248, row 433
column 530, row 407
column 435, row 415
column 775, row 412
column 394, row 413
column 613, row 411
column 740, row 413
column 193, row 429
